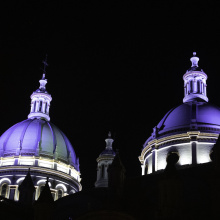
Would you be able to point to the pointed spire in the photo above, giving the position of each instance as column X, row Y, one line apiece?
column 46, row 196
column 26, row 190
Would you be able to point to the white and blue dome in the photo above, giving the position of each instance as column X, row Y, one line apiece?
column 40, row 146
column 190, row 129
column 38, row 137
column 199, row 115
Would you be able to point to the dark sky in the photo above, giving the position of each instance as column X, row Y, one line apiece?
column 113, row 65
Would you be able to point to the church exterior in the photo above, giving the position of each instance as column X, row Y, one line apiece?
column 189, row 130
column 38, row 144
column 180, row 164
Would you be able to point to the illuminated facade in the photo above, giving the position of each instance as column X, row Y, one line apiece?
column 104, row 160
column 38, row 144
column 190, row 129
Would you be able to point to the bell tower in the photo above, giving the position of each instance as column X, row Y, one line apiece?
column 104, row 160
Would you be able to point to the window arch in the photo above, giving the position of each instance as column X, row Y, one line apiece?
column 4, row 190
column 41, row 188
column 59, row 193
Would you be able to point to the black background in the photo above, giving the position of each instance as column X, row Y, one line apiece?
column 113, row 66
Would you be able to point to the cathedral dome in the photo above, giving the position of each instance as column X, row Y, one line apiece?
column 40, row 146
column 38, row 137
column 190, row 129
column 189, row 114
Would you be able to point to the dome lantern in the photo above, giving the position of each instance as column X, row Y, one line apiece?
column 40, row 99
column 195, row 82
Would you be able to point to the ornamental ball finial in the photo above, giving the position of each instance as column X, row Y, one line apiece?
column 194, row 54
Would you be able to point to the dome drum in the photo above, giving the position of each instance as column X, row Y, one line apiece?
column 58, row 181
column 193, row 148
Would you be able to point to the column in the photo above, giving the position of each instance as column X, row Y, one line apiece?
column 37, row 106
column 205, row 90
column 32, row 106
column 143, row 170
column 153, row 160
column 48, row 107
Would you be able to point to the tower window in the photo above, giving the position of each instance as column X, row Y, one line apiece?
column 34, row 109
column 45, row 108
column 198, row 87
column 40, row 107
column 191, row 86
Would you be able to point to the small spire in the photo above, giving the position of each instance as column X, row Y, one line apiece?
column 194, row 60
column 109, row 134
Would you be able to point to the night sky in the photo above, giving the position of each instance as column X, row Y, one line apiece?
column 113, row 66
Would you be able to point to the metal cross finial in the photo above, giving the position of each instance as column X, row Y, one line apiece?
column 45, row 65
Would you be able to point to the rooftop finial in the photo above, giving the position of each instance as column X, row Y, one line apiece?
column 194, row 60
column 109, row 134
column 45, row 65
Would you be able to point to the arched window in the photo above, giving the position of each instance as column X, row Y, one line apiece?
column 191, row 86
column 41, row 189
column 34, row 109
column 45, row 108
column 146, row 169
column 60, row 193
column 40, row 107
column 4, row 190
column 198, row 87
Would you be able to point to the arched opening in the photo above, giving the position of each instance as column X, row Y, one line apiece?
column 34, row 109
column 4, row 190
column 40, row 106
column 45, row 108
column 191, row 86
column 41, row 189
column 146, row 169
column 59, row 193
